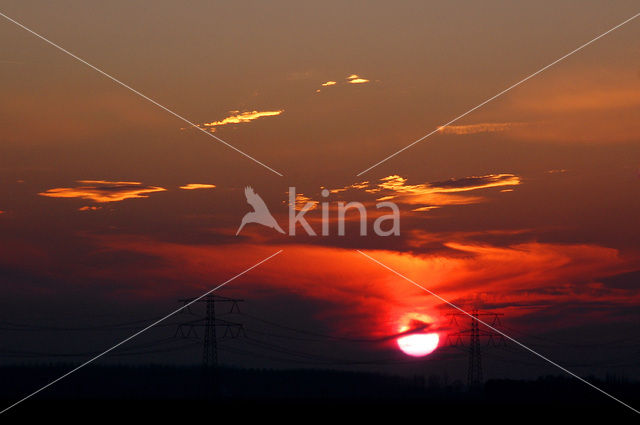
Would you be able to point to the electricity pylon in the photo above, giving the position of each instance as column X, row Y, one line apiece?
column 474, row 334
column 209, row 322
column 210, row 346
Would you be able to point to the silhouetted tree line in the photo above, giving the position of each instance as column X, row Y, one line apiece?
column 164, row 391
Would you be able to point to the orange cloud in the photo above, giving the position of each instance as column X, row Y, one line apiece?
column 398, row 184
column 355, row 79
column 488, row 127
column 351, row 79
column 360, row 185
column 103, row 191
column 302, row 200
column 238, row 117
column 435, row 194
column 193, row 186
column 425, row 208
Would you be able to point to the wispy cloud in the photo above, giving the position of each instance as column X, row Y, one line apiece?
column 329, row 83
column 476, row 182
column 238, row 117
column 487, row 127
column 302, row 200
column 435, row 194
column 103, row 191
column 360, row 185
column 193, row 186
column 433, row 207
column 448, row 192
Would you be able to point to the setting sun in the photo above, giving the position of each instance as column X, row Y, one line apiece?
column 419, row 345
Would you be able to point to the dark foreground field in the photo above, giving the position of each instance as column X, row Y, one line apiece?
column 177, row 393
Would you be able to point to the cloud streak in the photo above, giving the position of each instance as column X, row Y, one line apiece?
column 103, row 191
column 434, row 194
column 487, row 127
column 194, row 186
column 238, row 117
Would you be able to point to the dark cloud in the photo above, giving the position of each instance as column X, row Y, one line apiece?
column 477, row 182
column 629, row 281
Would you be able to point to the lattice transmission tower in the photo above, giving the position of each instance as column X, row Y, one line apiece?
column 210, row 323
column 473, row 336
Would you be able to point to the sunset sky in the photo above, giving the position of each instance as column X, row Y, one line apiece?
column 112, row 209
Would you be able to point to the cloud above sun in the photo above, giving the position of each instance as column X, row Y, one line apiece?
column 103, row 191
column 238, row 117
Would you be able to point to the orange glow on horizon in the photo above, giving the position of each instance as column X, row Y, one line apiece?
column 378, row 301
